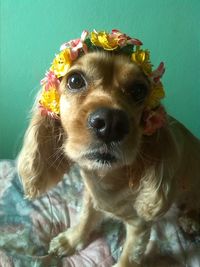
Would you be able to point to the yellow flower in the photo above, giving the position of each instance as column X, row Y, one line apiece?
column 61, row 63
column 50, row 100
column 142, row 58
column 104, row 40
column 157, row 93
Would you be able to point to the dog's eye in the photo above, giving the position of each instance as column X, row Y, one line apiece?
column 76, row 81
column 139, row 91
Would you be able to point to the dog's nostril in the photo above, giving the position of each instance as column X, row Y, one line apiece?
column 97, row 123
column 109, row 124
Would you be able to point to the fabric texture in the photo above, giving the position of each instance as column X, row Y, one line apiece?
column 26, row 228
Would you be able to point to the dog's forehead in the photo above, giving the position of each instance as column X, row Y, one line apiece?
column 100, row 64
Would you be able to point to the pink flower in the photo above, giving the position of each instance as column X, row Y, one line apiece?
column 76, row 45
column 50, row 80
column 124, row 39
column 47, row 112
column 154, row 120
column 158, row 73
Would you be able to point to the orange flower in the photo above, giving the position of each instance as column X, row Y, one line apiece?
column 142, row 58
column 61, row 63
column 157, row 93
column 104, row 40
column 50, row 101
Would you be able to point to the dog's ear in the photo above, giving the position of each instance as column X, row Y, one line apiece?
column 41, row 162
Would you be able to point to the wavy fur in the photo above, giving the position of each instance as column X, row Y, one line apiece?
column 151, row 172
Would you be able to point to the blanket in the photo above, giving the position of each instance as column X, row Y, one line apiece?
column 26, row 228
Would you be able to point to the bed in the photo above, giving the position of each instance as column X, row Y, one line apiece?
column 26, row 228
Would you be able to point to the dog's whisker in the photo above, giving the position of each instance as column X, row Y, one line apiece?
column 60, row 161
column 55, row 157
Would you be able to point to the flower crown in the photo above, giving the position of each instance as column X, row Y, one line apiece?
column 116, row 42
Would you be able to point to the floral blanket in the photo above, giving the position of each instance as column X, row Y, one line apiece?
column 26, row 228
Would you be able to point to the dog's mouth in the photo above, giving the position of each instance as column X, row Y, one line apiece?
column 104, row 158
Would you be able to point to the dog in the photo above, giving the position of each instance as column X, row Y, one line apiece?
column 136, row 161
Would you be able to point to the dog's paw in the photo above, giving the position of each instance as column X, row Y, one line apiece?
column 189, row 225
column 66, row 243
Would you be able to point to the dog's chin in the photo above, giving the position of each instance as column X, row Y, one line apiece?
column 101, row 163
column 98, row 160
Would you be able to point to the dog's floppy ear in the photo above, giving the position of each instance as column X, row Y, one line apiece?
column 41, row 162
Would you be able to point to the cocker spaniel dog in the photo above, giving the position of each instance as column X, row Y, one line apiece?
column 99, row 107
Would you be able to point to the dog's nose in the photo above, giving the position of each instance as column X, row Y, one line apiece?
column 109, row 124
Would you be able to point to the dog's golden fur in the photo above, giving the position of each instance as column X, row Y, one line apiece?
column 150, row 174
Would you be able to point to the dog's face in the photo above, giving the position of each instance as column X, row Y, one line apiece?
column 102, row 102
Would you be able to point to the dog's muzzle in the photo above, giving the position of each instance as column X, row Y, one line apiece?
column 109, row 125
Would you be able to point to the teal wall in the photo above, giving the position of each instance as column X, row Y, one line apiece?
column 32, row 31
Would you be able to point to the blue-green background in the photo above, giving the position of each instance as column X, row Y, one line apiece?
column 32, row 31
